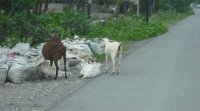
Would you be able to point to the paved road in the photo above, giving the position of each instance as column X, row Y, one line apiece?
column 163, row 75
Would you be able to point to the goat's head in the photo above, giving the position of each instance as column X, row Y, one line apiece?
column 92, row 59
column 104, row 41
column 55, row 37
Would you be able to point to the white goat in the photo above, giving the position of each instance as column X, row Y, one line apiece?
column 112, row 50
column 90, row 70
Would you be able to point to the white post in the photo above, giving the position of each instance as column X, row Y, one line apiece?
column 89, row 8
column 138, row 7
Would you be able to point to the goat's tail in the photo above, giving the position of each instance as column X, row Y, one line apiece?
column 120, row 50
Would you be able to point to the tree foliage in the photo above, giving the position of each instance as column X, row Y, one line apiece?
column 179, row 5
column 7, row 5
column 22, row 27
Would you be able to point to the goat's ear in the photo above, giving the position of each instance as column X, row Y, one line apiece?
column 100, row 39
column 59, row 35
column 95, row 59
column 51, row 34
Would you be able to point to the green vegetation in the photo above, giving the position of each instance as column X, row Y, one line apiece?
column 126, row 29
column 24, row 26
column 169, row 17
column 34, row 30
column 18, row 24
column 21, row 28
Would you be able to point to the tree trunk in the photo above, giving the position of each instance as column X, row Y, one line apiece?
column 118, row 4
column 28, row 13
column 40, row 8
column 36, row 7
column 46, row 6
column 71, row 4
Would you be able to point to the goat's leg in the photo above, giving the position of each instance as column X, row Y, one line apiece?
column 113, row 65
column 51, row 62
column 64, row 58
column 57, row 68
column 80, row 75
column 119, row 66
column 106, row 64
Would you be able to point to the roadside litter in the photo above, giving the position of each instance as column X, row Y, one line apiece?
column 23, row 63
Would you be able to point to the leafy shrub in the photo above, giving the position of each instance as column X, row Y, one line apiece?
column 25, row 29
column 3, row 27
column 125, row 28
column 169, row 16
column 146, row 30
column 35, row 29
column 21, row 27
column 22, row 5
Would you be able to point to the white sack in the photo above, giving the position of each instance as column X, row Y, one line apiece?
column 21, row 47
column 86, row 48
column 73, row 62
column 26, row 71
column 46, row 69
column 62, row 65
column 97, row 47
column 2, row 56
column 90, row 70
column 35, row 52
column 3, row 73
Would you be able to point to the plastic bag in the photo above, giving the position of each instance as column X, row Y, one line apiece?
column 46, row 69
column 3, row 73
column 97, row 47
column 28, row 70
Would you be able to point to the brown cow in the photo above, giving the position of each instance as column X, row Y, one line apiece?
column 55, row 50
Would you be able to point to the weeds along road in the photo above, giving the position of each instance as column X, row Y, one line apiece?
column 162, row 75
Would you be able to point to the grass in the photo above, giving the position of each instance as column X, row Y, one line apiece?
column 169, row 17
column 165, row 18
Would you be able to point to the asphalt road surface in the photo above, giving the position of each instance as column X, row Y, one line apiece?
column 162, row 75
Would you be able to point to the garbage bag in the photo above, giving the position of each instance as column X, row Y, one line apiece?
column 3, row 73
column 29, row 70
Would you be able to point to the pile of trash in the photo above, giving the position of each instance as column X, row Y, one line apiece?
column 23, row 63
